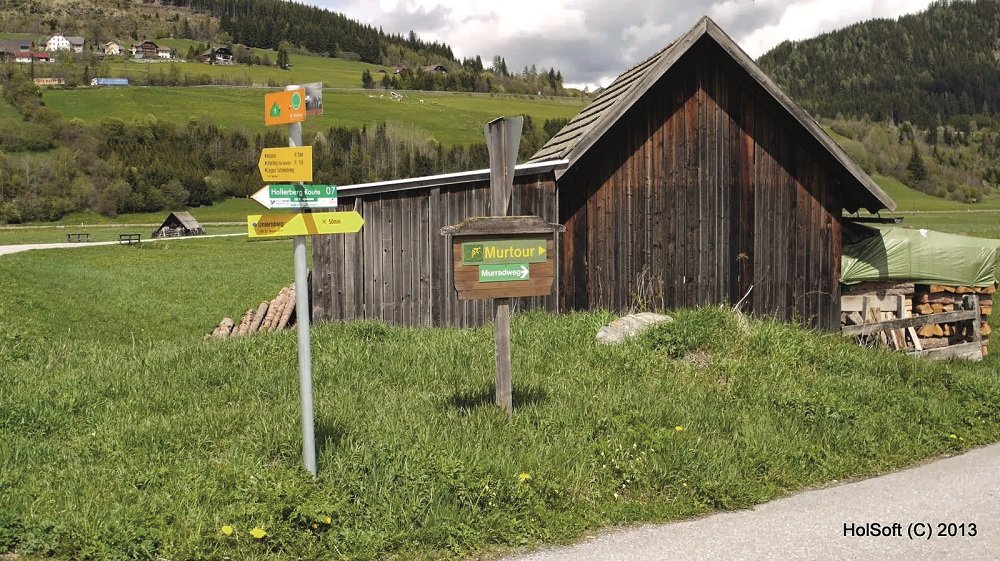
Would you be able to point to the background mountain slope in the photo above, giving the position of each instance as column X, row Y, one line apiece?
column 940, row 66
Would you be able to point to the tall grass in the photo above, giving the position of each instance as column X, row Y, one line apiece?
column 123, row 435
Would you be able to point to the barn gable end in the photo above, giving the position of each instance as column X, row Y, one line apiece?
column 697, row 181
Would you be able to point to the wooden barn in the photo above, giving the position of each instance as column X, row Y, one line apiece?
column 692, row 179
column 179, row 224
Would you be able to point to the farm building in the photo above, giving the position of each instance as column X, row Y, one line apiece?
column 179, row 224
column 692, row 179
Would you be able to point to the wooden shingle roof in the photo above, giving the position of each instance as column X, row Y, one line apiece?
column 187, row 220
column 584, row 130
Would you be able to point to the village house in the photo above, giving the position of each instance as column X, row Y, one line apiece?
column 17, row 50
column 145, row 50
column 111, row 48
column 62, row 43
column 219, row 55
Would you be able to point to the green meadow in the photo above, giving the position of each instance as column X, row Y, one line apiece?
column 449, row 118
column 333, row 72
column 124, row 435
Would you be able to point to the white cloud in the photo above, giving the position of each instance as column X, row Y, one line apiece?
column 592, row 41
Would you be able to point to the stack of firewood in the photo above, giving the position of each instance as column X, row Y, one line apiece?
column 936, row 299
column 926, row 319
column 875, row 302
column 275, row 315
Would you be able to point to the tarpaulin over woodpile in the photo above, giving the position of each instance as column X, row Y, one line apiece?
column 921, row 257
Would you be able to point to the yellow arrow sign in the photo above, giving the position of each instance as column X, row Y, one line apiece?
column 286, row 164
column 284, row 224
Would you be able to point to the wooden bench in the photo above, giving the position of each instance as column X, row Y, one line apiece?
column 78, row 237
column 129, row 239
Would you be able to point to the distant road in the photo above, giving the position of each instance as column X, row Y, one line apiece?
column 8, row 249
column 957, row 499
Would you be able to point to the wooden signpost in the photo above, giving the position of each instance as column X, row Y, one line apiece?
column 503, row 257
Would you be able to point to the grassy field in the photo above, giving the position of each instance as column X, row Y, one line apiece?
column 983, row 224
column 124, row 435
column 226, row 217
column 334, row 73
column 448, row 117
column 909, row 199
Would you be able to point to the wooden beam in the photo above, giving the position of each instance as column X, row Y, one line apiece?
column 947, row 317
column 970, row 351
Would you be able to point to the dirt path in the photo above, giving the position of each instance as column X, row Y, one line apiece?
column 8, row 249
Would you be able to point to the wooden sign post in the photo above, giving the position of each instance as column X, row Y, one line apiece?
column 502, row 258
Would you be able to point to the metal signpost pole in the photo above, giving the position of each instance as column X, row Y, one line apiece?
column 302, row 324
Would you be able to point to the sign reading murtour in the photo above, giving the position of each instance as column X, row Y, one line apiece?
column 504, row 251
column 503, row 257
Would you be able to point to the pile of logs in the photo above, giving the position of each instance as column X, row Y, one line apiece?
column 937, row 299
column 275, row 315
column 927, row 320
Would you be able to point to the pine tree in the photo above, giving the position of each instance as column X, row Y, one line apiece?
column 916, row 171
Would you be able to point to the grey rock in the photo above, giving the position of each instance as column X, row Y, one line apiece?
column 629, row 326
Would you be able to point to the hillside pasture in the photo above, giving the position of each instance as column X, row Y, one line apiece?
column 449, row 118
column 334, row 73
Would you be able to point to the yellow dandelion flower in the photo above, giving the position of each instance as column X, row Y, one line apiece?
column 258, row 533
column 679, row 428
column 227, row 530
column 327, row 520
column 952, row 436
column 522, row 477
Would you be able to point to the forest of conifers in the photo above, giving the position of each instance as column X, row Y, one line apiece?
column 938, row 67
column 916, row 98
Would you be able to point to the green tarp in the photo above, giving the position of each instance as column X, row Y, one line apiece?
column 922, row 257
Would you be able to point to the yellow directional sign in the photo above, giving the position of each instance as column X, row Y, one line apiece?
column 286, row 164
column 282, row 224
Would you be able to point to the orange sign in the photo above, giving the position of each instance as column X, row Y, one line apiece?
column 282, row 108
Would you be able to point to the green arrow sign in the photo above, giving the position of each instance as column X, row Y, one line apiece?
column 504, row 252
column 275, row 110
column 297, row 196
column 504, row 273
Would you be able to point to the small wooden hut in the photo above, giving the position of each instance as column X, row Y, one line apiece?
column 691, row 180
column 179, row 224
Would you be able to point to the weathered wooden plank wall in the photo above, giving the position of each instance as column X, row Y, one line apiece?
column 398, row 268
column 705, row 189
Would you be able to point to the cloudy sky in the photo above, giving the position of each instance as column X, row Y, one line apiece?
column 592, row 41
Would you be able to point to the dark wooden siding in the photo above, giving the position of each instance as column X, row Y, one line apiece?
column 705, row 189
column 398, row 268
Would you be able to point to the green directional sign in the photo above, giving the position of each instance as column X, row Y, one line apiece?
column 504, row 273
column 504, row 252
column 297, row 196
column 275, row 110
